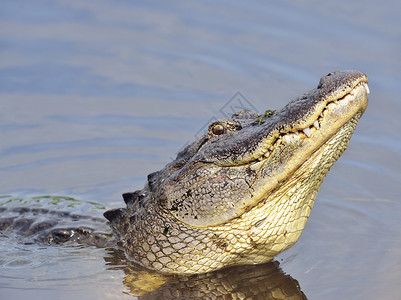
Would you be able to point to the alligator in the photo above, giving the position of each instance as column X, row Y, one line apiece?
column 242, row 192
column 238, row 195
column 39, row 224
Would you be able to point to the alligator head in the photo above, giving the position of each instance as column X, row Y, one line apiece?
column 242, row 192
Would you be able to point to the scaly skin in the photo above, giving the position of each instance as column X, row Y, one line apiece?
column 35, row 224
column 243, row 192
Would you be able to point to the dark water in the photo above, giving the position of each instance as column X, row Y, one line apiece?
column 94, row 95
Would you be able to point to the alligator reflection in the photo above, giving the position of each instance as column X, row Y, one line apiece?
column 266, row 281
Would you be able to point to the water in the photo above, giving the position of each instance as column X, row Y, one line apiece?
column 96, row 95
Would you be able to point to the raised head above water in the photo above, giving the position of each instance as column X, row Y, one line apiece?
column 243, row 192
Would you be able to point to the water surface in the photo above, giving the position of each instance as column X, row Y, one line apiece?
column 96, row 95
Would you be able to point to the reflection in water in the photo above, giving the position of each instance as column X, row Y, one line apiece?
column 266, row 281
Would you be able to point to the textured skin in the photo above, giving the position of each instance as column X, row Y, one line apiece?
column 243, row 192
column 264, row 281
column 39, row 225
column 42, row 225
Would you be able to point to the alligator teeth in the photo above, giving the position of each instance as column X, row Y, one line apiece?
column 307, row 131
column 271, row 148
column 287, row 138
column 264, row 156
column 366, row 87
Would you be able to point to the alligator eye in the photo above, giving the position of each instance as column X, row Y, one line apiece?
column 218, row 129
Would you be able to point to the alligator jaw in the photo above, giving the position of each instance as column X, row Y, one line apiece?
column 338, row 111
column 350, row 98
column 231, row 174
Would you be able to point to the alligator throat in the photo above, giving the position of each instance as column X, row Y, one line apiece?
column 242, row 193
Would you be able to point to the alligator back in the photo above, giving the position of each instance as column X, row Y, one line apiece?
column 41, row 225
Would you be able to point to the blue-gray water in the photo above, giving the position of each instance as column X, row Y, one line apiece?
column 94, row 95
